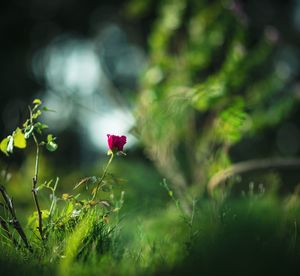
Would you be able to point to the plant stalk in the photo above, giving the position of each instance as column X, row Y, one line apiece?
column 34, row 188
column 103, row 176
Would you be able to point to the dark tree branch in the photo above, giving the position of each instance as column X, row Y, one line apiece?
column 14, row 221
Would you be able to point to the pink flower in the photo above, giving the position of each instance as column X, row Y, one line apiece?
column 116, row 143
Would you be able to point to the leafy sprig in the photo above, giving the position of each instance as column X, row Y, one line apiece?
column 31, row 127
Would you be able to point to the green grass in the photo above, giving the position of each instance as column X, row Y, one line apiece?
column 254, row 235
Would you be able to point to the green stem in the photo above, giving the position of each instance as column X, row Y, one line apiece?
column 54, row 199
column 34, row 186
column 35, row 179
column 103, row 176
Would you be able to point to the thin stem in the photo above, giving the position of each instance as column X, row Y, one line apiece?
column 103, row 176
column 35, row 180
column 34, row 188
column 15, row 222
column 54, row 199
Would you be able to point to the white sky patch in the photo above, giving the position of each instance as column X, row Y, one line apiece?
column 73, row 66
column 60, row 117
column 115, row 122
column 82, row 92
column 82, row 70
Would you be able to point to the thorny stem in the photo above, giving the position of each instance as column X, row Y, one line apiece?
column 15, row 222
column 103, row 176
column 34, row 188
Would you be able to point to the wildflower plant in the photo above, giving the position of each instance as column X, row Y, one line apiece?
column 55, row 222
column 33, row 129
column 115, row 146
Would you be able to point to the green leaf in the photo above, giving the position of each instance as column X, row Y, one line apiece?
column 51, row 146
column 3, row 145
column 36, row 114
column 37, row 101
column 40, row 127
column 50, row 138
column 45, row 108
column 26, row 124
column 19, row 139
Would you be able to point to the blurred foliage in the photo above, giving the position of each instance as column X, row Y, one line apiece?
column 210, row 83
column 256, row 234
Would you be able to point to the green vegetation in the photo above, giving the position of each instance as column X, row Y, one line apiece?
column 194, row 207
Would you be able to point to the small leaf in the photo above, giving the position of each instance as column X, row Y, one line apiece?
column 3, row 145
column 66, row 196
column 40, row 125
column 45, row 108
column 26, row 123
column 50, row 138
column 37, row 101
column 38, row 130
column 45, row 214
column 36, row 114
column 51, row 146
column 19, row 139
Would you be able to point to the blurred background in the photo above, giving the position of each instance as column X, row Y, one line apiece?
column 82, row 59
column 195, row 85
